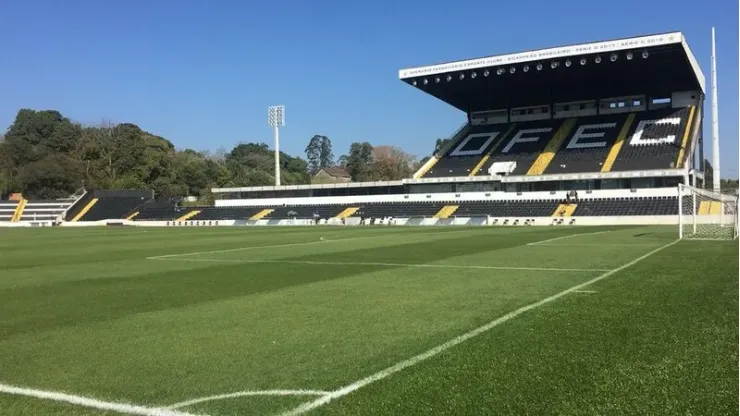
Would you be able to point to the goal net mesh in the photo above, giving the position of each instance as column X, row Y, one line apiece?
column 706, row 214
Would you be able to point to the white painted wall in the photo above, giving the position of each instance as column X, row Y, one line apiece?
column 443, row 197
column 458, row 221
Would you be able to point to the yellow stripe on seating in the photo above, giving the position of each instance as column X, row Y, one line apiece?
column 569, row 210
column 189, row 215
column 85, row 209
column 18, row 213
column 715, row 207
column 704, row 207
column 547, row 155
column 485, row 158
column 347, row 212
column 446, row 211
column 617, row 146
column 261, row 214
column 132, row 216
column 686, row 134
column 561, row 210
column 435, row 158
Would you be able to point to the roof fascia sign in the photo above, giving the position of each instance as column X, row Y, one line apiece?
column 550, row 53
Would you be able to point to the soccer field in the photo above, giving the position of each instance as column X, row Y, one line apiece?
column 345, row 320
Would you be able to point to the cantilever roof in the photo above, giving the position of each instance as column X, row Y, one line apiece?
column 671, row 62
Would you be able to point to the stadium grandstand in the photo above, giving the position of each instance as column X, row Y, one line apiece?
column 597, row 133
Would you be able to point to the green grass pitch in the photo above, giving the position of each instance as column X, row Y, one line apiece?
column 367, row 321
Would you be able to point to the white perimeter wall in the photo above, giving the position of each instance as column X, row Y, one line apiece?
column 510, row 221
column 446, row 197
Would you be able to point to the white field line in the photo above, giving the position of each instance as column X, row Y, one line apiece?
column 321, row 240
column 418, row 265
column 247, row 394
column 89, row 402
column 343, row 391
column 536, row 243
column 585, row 291
column 594, row 245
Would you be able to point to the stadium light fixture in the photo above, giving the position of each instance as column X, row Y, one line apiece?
column 486, row 73
column 554, row 64
column 645, row 54
column 629, row 56
column 462, row 77
column 500, row 71
column 568, row 63
column 525, row 68
column 512, row 69
column 426, row 81
column 613, row 57
column 539, row 67
column 436, row 79
column 449, row 78
column 583, row 61
column 597, row 59
column 474, row 74
column 413, row 83
column 276, row 119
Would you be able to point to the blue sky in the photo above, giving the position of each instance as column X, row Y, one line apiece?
column 203, row 73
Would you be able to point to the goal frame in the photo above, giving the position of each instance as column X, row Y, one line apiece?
column 694, row 219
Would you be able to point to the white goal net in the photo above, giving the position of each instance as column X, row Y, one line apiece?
column 706, row 214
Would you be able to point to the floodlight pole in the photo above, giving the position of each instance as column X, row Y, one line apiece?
column 276, row 119
column 715, row 123
column 276, row 130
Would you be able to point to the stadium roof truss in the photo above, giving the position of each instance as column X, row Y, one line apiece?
column 656, row 65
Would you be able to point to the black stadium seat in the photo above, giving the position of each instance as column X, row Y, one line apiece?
column 653, row 141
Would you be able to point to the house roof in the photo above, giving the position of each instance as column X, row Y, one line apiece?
column 337, row 172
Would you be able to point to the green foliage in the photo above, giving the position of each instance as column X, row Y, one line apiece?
column 366, row 162
column 319, row 153
column 726, row 185
column 45, row 155
column 358, row 161
column 440, row 144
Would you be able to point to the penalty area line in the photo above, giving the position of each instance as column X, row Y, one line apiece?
column 536, row 243
column 248, row 393
column 343, row 391
column 382, row 264
column 89, row 402
column 322, row 240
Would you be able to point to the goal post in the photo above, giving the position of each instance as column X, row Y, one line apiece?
column 706, row 215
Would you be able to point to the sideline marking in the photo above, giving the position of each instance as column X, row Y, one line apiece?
column 419, row 265
column 597, row 245
column 249, row 393
column 536, row 243
column 320, row 241
column 89, row 402
column 585, row 291
column 343, row 391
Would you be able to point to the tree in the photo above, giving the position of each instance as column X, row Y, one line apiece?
column 45, row 155
column 724, row 184
column 342, row 161
column 319, row 153
column 54, row 176
column 419, row 163
column 390, row 163
column 253, row 164
column 440, row 144
column 359, row 159
column 708, row 174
